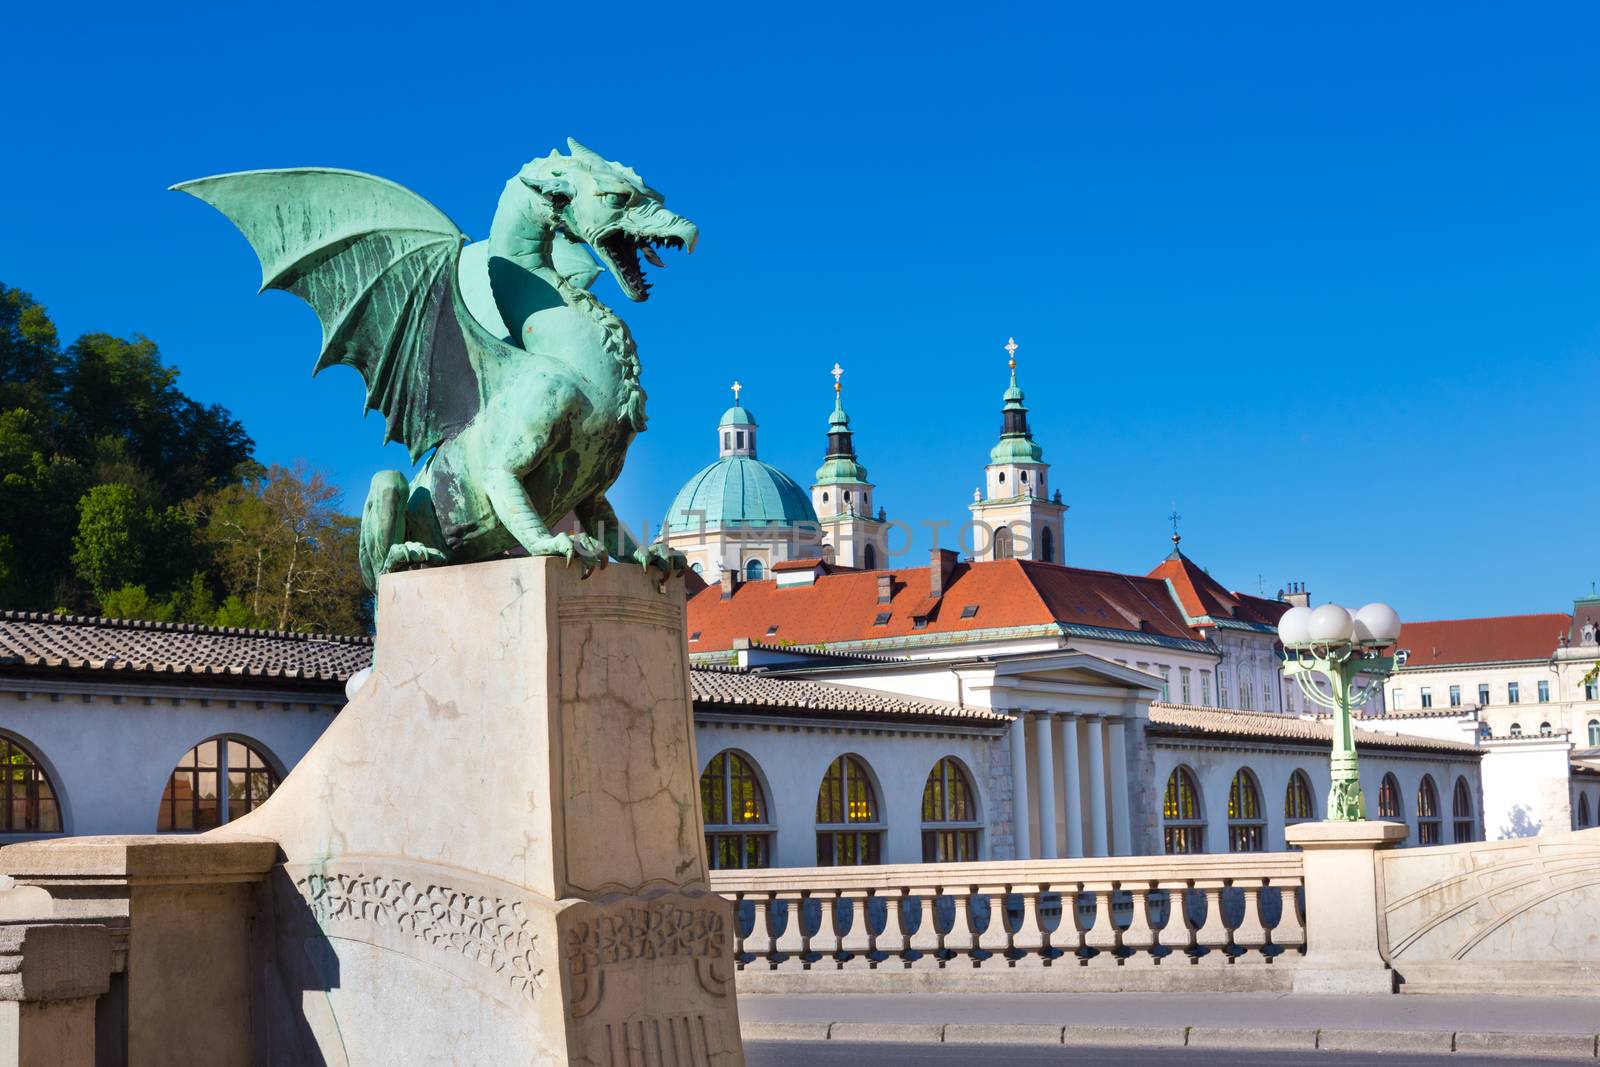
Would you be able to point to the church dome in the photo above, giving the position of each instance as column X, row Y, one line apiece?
column 739, row 491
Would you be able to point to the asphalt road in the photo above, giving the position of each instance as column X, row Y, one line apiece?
column 827, row 1053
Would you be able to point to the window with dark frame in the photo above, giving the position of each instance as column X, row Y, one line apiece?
column 849, row 832
column 1462, row 818
column 31, row 804
column 1247, row 823
column 735, row 810
column 215, row 782
column 1430, row 828
column 1183, row 823
column 950, row 825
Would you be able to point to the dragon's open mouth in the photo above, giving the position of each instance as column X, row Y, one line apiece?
column 621, row 252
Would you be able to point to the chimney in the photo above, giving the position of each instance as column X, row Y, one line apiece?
column 885, row 588
column 941, row 565
column 1296, row 595
column 730, row 582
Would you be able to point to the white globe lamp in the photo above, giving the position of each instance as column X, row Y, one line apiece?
column 1331, row 625
column 1377, row 624
column 1294, row 629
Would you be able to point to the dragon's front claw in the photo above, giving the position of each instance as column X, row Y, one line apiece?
column 409, row 554
column 670, row 563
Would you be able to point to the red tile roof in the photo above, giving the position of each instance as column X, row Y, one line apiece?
column 1509, row 637
column 842, row 606
column 1202, row 596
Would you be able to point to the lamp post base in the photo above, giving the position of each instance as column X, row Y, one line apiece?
column 1341, row 888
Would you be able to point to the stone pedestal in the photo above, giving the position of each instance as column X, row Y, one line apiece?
column 495, row 855
column 50, row 976
column 1343, row 954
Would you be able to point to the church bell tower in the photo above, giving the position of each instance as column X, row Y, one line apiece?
column 842, row 496
column 1017, row 515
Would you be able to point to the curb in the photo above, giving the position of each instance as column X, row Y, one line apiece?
column 1520, row 1046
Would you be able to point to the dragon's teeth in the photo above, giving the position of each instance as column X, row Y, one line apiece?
column 650, row 254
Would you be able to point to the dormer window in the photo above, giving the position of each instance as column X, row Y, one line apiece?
column 882, row 619
column 695, row 636
column 970, row 611
column 771, row 630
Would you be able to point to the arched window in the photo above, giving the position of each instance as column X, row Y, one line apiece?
column 1298, row 802
column 1247, row 823
column 1594, row 732
column 735, row 810
column 31, row 805
column 1544, row 729
column 1002, row 543
column 1583, row 810
column 1183, row 822
column 1389, row 798
column 1516, row 729
column 754, row 570
column 824, row 496
column 848, row 828
column 1047, row 545
column 869, row 556
column 1462, row 818
column 697, row 568
column 1430, row 829
column 949, row 814
column 195, row 798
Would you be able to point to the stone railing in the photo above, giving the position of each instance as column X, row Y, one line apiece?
column 1137, row 922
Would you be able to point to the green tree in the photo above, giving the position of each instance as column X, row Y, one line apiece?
column 133, row 602
column 285, row 550
column 123, row 540
column 29, row 354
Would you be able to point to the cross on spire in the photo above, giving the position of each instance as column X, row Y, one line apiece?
column 736, row 388
column 837, row 372
column 1173, row 518
column 1011, row 352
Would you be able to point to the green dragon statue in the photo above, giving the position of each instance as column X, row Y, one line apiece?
column 494, row 356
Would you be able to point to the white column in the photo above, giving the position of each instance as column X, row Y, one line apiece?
column 1121, row 843
column 1097, row 785
column 1044, row 763
column 1070, row 785
column 1019, row 786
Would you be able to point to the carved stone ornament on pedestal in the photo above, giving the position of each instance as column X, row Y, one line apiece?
column 494, row 855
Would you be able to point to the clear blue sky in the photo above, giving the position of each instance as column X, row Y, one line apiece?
column 1329, row 280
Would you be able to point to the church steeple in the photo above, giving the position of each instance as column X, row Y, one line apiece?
column 1016, row 443
column 839, row 464
column 1023, row 519
column 843, row 496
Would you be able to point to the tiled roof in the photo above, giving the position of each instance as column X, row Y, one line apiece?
column 716, row 689
column 1509, row 637
column 1203, row 597
column 77, row 642
column 1184, row 719
column 1008, row 594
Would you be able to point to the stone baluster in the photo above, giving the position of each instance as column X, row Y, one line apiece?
column 825, row 942
column 1213, row 934
column 1251, row 934
column 858, row 941
column 1141, row 937
column 996, row 937
column 895, row 940
column 1030, row 940
column 758, row 943
column 790, row 945
column 1181, row 934
column 1102, row 936
column 962, row 937
column 1068, row 936
column 927, row 941
column 1290, row 933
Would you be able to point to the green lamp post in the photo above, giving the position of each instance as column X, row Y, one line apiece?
column 1340, row 645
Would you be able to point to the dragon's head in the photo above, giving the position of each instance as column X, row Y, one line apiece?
column 610, row 208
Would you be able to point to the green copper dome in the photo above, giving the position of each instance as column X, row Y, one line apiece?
column 739, row 491
column 736, row 416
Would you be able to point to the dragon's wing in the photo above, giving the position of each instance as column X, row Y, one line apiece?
column 378, row 265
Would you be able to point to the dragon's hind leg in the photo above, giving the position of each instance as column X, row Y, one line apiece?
column 384, row 544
